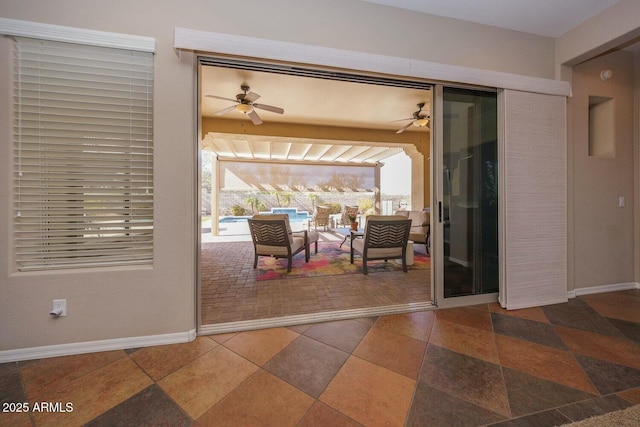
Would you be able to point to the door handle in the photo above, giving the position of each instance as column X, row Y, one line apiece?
column 440, row 212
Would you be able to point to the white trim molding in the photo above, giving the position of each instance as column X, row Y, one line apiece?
column 603, row 289
column 302, row 319
column 59, row 33
column 229, row 44
column 95, row 346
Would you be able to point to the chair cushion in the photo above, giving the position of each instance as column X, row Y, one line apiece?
column 384, row 253
column 297, row 243
column 358, row 246
column 419, row 218
column 418, row 234
column 312, row 236
column 419, row 224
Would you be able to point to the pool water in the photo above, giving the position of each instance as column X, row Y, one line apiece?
column 294, row 214
column 232, row 219
column 237, row 225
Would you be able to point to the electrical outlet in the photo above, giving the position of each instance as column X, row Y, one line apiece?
column 59, row 305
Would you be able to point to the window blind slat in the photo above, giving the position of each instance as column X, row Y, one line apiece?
column 83, row 156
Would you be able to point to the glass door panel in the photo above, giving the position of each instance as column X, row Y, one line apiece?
column 468, row 195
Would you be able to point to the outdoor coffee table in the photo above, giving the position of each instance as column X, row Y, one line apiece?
column 349, row 233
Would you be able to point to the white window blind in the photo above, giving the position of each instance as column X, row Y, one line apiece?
column 83, row 171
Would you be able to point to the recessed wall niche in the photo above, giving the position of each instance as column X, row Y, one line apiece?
column 602, row 135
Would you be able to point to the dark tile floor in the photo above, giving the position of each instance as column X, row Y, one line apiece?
column 471, row 366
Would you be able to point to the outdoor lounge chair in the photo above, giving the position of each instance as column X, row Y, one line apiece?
column 349, row 211
column 420, row 227
column 385, row 237
column 272, row 236
column 321, row 217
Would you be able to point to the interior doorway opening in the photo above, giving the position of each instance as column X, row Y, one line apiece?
column 361, row 140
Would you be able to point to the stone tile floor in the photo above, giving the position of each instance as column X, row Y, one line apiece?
column 470, row 366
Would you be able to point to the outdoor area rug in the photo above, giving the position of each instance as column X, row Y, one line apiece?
column 331, row 259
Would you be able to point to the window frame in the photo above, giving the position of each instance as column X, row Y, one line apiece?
column 94, row 172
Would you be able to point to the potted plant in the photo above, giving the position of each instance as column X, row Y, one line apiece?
column 353, row 220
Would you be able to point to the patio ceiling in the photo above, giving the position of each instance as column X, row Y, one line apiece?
column 314, row 101
column 289, row 149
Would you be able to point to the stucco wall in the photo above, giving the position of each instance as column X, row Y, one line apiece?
column 115, row 303
column 608, row 30
column 603, row 246
column 108, row 304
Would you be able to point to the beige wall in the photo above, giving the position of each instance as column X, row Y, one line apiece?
column 636, row 157
column 608, row 30
column 599, row 35
column 116, row 303
column 603, row 244
column 351, row 25
column 110, row 303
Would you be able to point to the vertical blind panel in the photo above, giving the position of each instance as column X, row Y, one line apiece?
column 536, row 200
column 83, row 155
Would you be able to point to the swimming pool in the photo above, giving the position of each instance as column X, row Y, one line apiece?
column 294, row 213
column 237, row 225
column 232, row 219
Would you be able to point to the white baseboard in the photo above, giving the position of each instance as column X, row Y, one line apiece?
column 94, row 346
column 182, row 337
column 302, row 319
column 603, row 288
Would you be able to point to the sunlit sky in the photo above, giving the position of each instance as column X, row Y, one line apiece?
column 395, row 175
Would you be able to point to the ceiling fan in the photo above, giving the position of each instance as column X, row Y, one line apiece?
column 245, row 103
column 420, row 119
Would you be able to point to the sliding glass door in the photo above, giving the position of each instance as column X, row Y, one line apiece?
column 466, row 197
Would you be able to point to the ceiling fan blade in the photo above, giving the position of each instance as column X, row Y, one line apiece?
column 402, row 120
column 269, row 108
column 251, row 96
column 255, row 118
column 224, row 111
column 404, row 128
column 221, row 97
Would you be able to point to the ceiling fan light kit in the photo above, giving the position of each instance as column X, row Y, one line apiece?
column 244, row 108
column 421, row 122
column 420, row 119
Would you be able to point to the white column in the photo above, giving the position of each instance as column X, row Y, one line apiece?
column 417, row 177
column 377, row 207
column 215, row 191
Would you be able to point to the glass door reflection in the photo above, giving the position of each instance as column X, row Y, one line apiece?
column 469, row 193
